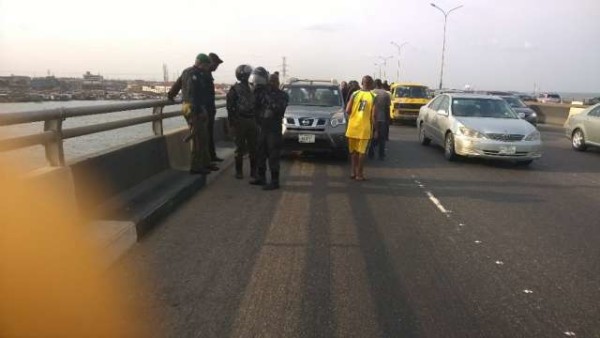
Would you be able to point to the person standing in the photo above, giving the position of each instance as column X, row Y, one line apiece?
column 353, row 86
column 271, row 103
column 242, row 119
column 215, row 61
column 194, row 84
column 360, row 111
column 344, row 90
column 382, row 120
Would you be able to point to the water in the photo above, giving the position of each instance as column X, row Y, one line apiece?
column 33, row 157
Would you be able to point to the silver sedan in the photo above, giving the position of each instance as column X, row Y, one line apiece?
column 478, row 126
column 584, row 128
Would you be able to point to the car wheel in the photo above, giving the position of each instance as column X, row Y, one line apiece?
column 449, row 152
column 422, row 138
column 578, row 140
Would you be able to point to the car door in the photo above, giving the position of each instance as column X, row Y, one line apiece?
column 440, row 119
column 592, row 125
column 430, row 112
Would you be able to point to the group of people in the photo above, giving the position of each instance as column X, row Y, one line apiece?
column 254, row 113
column 255, row 107
column 368, row 110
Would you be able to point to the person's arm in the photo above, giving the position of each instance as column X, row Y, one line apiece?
column 232, row 112
column 174, row 89
column 388, row 117
column 349, row 105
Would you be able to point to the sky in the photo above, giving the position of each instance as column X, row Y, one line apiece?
column 552, row 45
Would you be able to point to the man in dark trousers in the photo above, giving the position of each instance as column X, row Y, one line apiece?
column 271, row 105
column 194, row 84
column 241, row 113
column 215, row 61
column 382, row 119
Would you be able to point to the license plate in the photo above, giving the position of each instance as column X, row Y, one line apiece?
column 306, row 138
column 508, row 150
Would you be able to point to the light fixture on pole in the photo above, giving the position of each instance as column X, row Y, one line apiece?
column 444, row 43
column 385, row 66
column 377, row 65
column 399, row 46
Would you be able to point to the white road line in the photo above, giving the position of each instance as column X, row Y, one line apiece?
column 437, row 202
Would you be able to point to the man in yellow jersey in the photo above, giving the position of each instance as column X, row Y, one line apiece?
column 360, row 110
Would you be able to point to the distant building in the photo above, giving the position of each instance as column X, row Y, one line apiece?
column 45, row 83
column 93, row 82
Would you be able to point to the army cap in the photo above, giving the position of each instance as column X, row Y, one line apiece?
column 203, row 58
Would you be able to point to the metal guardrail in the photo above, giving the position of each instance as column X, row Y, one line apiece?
column 53, row 135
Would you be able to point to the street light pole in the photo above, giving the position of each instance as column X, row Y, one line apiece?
column 399, row 54
column 385, row 66
column 444, row 43
column 378, row 65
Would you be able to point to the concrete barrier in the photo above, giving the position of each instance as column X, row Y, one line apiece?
column 552, row 113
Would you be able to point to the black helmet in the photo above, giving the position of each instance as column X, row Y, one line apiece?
column 260, row 76
column 242, row 72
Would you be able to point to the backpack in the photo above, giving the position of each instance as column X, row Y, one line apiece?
column 245, row 99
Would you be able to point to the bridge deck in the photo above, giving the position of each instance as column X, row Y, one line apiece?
column 515, row 256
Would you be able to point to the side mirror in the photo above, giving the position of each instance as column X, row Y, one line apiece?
column 521, row 115
column 442, row 112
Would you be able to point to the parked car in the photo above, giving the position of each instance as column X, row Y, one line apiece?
column 407, row 99
column 481, row 126
column 522, row 110
column 583, row 129
column 593, row 100
column 315, row 119
column 549, row 98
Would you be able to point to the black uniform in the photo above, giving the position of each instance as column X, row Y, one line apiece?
column 212, row 112
column 271, row 105
column 241, row 113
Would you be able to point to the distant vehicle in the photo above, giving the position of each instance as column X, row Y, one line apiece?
column 481, row 126
column 315, row 120
column 407, row 99
column 549, row 98
column 592, row 101
column 526, row 97
column 583, row 129
column 522, row 110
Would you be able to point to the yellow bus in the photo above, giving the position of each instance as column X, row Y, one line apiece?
column 407, row 99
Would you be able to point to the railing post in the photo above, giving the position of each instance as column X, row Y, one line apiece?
column 54, row 150
column 157, row 125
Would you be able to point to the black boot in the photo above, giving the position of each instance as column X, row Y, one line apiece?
column 274, row 184
column 252, row 167
column 239, row 168
column 260, row 178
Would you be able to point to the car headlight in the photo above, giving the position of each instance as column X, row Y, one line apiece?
column 338, row 120
column 533, row 114
column 533, row 136
column 470, row 132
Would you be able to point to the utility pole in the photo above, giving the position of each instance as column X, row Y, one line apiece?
column 165, row 76
column 284, row 67
column 399, row 46
column 385, row 66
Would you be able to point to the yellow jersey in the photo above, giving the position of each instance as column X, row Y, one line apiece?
column 360, row 119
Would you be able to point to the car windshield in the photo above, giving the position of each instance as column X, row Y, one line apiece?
column 476, row 107
column 314, row 96
column 514, row 102
column 411, row 91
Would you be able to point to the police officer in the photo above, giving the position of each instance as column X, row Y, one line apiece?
column 271, row 105
column 194, row 84
column 215, row 61
column 242, row 118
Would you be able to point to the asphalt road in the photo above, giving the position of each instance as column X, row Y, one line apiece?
column 424, row 248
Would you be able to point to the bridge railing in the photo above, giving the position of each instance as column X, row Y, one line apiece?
column 53, row 135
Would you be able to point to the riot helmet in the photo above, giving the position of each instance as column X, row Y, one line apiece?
column 243, row 72
column 260, row 76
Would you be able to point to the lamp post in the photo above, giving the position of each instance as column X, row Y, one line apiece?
column 385, row 66
column 378, row 65
column 399, row 46
column 444, row 43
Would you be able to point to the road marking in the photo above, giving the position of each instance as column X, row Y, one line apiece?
column 437, row 203
column 477, row 242
column 527, row 291
column 499, row 263
column 570, row 333
column 461, row 224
